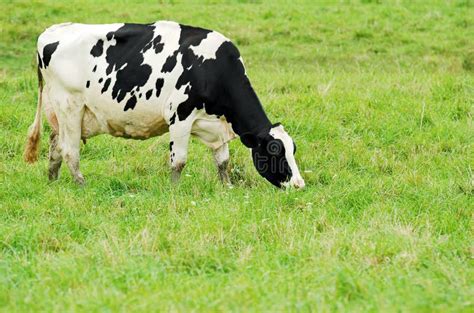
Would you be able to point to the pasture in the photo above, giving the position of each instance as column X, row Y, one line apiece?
column 379, row 98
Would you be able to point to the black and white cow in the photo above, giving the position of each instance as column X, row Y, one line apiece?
column 143, row 80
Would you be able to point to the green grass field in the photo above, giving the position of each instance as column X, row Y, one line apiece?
column 379, row 99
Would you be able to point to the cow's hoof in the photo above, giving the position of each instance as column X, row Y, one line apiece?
column 175, row 177
column 176, row 173
column 80, row 181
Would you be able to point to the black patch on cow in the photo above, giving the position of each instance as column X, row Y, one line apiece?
column 108, row 70
column 140, row 95
column 172, row 154
column 173, row 118
column 94, row 69
column 197, row 74
column 98, row 49
column 148, row 94
column 190, row 36
column 159, row 84
column 192, row 69
column 88, row 84
column 130, row 103
column 131, row 40
column 147, row 46
column 170, row 63
column 157, row 44
column 48, row 51
column 40, row 63
column 100, row 80
column 219, row 83
column 106, row 85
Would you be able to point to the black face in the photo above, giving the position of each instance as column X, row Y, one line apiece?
column 270, row 161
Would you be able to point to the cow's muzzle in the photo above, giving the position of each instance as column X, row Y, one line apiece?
column 297, row 183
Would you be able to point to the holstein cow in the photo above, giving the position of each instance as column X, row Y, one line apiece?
column 143, row 80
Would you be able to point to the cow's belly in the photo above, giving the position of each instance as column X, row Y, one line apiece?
column 134, row 130
column 109, row 118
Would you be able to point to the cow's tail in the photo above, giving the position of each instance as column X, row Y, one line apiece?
column 34, row 133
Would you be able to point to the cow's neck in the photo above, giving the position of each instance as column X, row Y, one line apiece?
column 245, row 112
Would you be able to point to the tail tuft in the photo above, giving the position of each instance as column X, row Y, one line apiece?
column 34, row 134
column 32, row 144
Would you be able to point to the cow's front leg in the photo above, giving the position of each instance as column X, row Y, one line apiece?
column 221, row 156
column 179, row 141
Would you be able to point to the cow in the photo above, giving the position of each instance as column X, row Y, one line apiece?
column 143, row 80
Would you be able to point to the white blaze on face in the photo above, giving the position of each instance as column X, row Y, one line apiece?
column 209, row 45
column 280, row 133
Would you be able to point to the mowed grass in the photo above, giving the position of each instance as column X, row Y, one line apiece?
column 379, row 99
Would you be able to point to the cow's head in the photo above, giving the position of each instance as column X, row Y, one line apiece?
column 273, row 156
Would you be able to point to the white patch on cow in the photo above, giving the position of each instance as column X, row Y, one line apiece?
column 209, row 46
column 280, row 133
column 71, row 62
column 212, row 131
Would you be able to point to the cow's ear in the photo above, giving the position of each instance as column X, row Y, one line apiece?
column 249, row 140
column 276, row 125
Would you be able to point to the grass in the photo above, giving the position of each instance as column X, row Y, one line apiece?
column 379, row 98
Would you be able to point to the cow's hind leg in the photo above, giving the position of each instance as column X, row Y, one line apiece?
column 70, row 115
column 55, row 157
column 70, row 139
column 221, row 156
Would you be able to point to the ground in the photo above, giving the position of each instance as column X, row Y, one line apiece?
column 379, row 99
